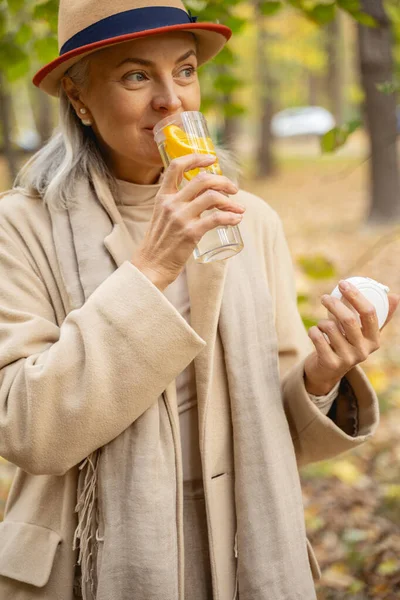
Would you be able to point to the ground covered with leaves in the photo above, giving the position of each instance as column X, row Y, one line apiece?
column 352, row 504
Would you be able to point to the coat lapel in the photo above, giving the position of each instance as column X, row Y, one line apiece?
column 119, row 244
column 206, row 284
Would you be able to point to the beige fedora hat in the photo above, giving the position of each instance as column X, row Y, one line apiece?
column 85, row 26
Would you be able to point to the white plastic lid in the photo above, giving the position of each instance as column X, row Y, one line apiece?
column 375, row 292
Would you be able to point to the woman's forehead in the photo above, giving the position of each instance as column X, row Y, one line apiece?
column 172, row 45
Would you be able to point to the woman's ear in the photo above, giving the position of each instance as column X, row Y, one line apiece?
column 74, row 96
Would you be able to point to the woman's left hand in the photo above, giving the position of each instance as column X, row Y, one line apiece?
column 325, row 367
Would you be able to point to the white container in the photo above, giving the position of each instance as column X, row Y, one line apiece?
column 375, row 292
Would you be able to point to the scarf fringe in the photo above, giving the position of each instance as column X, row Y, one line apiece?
column 86, row 533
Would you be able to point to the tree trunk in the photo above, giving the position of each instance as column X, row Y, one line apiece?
column 334, row 81
column 265, row 165
column 229, row 130
column 376, row 63
column 6, row 128
column 44, row 116
column 312, row 89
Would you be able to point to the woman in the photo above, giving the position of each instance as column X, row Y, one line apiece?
column 140, row 391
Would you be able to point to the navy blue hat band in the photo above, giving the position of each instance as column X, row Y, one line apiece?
column 129, row 21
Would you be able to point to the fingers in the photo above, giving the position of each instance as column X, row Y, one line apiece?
column 350, row 324
column 326, row 354
column 394, row 301
column 366, row 310
column 174, row 173
column 217, row 218
column 212, row 199
column 204, row 182
column 336, row 338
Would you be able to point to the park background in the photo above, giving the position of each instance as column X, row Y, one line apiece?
column 338, row 195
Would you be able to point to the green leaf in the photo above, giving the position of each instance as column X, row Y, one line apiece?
column 23, row 35
column 364, row 19
column 3, row 22
column 15, row 6
column 322, row 13
column 47, row 12
column 225, row 57
column 354, row 8
column 14, row 62
column 227, row 83
column 317, row 267
column 389, row 87
column 350, row 6
column 269, row 7
column 46, row 49
column 18, row 70
column 302, row 299
column 297, row 4
column 309, row 322
column 336, row 138
column 10, row 53
column 207, row 103
column 235, row 23
column 234, row 110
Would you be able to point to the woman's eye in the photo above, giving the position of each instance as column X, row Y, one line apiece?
column 136, row 77
column 188, row 72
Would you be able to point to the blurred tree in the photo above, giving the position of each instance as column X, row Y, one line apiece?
column 27, row 40
column 6, row 129
column 265, row 162
column 334, row 71
column 376, row 64
column 219, row 81
column 43, row 114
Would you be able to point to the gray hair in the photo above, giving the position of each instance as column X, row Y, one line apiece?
column 73, row 153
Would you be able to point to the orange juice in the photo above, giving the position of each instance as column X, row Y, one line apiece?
column 178, row 143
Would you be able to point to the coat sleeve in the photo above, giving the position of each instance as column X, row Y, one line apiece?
column 354, row 415
column 68, row 390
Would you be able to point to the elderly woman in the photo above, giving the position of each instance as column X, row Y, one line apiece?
column 140, row 391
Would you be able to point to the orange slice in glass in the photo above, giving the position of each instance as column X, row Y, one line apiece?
column 178, row 143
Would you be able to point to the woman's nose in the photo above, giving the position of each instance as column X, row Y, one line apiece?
column 167, row 99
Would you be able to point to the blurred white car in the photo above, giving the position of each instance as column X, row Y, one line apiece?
column 304, row 120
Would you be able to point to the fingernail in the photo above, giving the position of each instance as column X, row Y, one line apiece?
column 324, row 298
column 344, row 285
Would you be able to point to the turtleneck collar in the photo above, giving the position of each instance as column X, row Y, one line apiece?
column 134, row 194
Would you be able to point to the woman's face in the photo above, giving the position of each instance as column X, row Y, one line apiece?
column 131, row 87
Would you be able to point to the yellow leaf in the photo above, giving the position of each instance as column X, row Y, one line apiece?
column 346, row 472
column 388, row 567
column 392, row 491
column 379, row 380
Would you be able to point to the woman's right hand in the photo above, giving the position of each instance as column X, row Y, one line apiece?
column 176, row 225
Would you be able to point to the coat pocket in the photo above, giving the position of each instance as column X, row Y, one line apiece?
column 315, row 570
column 27, row 552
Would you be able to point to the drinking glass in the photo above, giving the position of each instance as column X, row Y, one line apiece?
column 187, row 133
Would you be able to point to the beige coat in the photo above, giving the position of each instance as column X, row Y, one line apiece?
column 73, row 381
